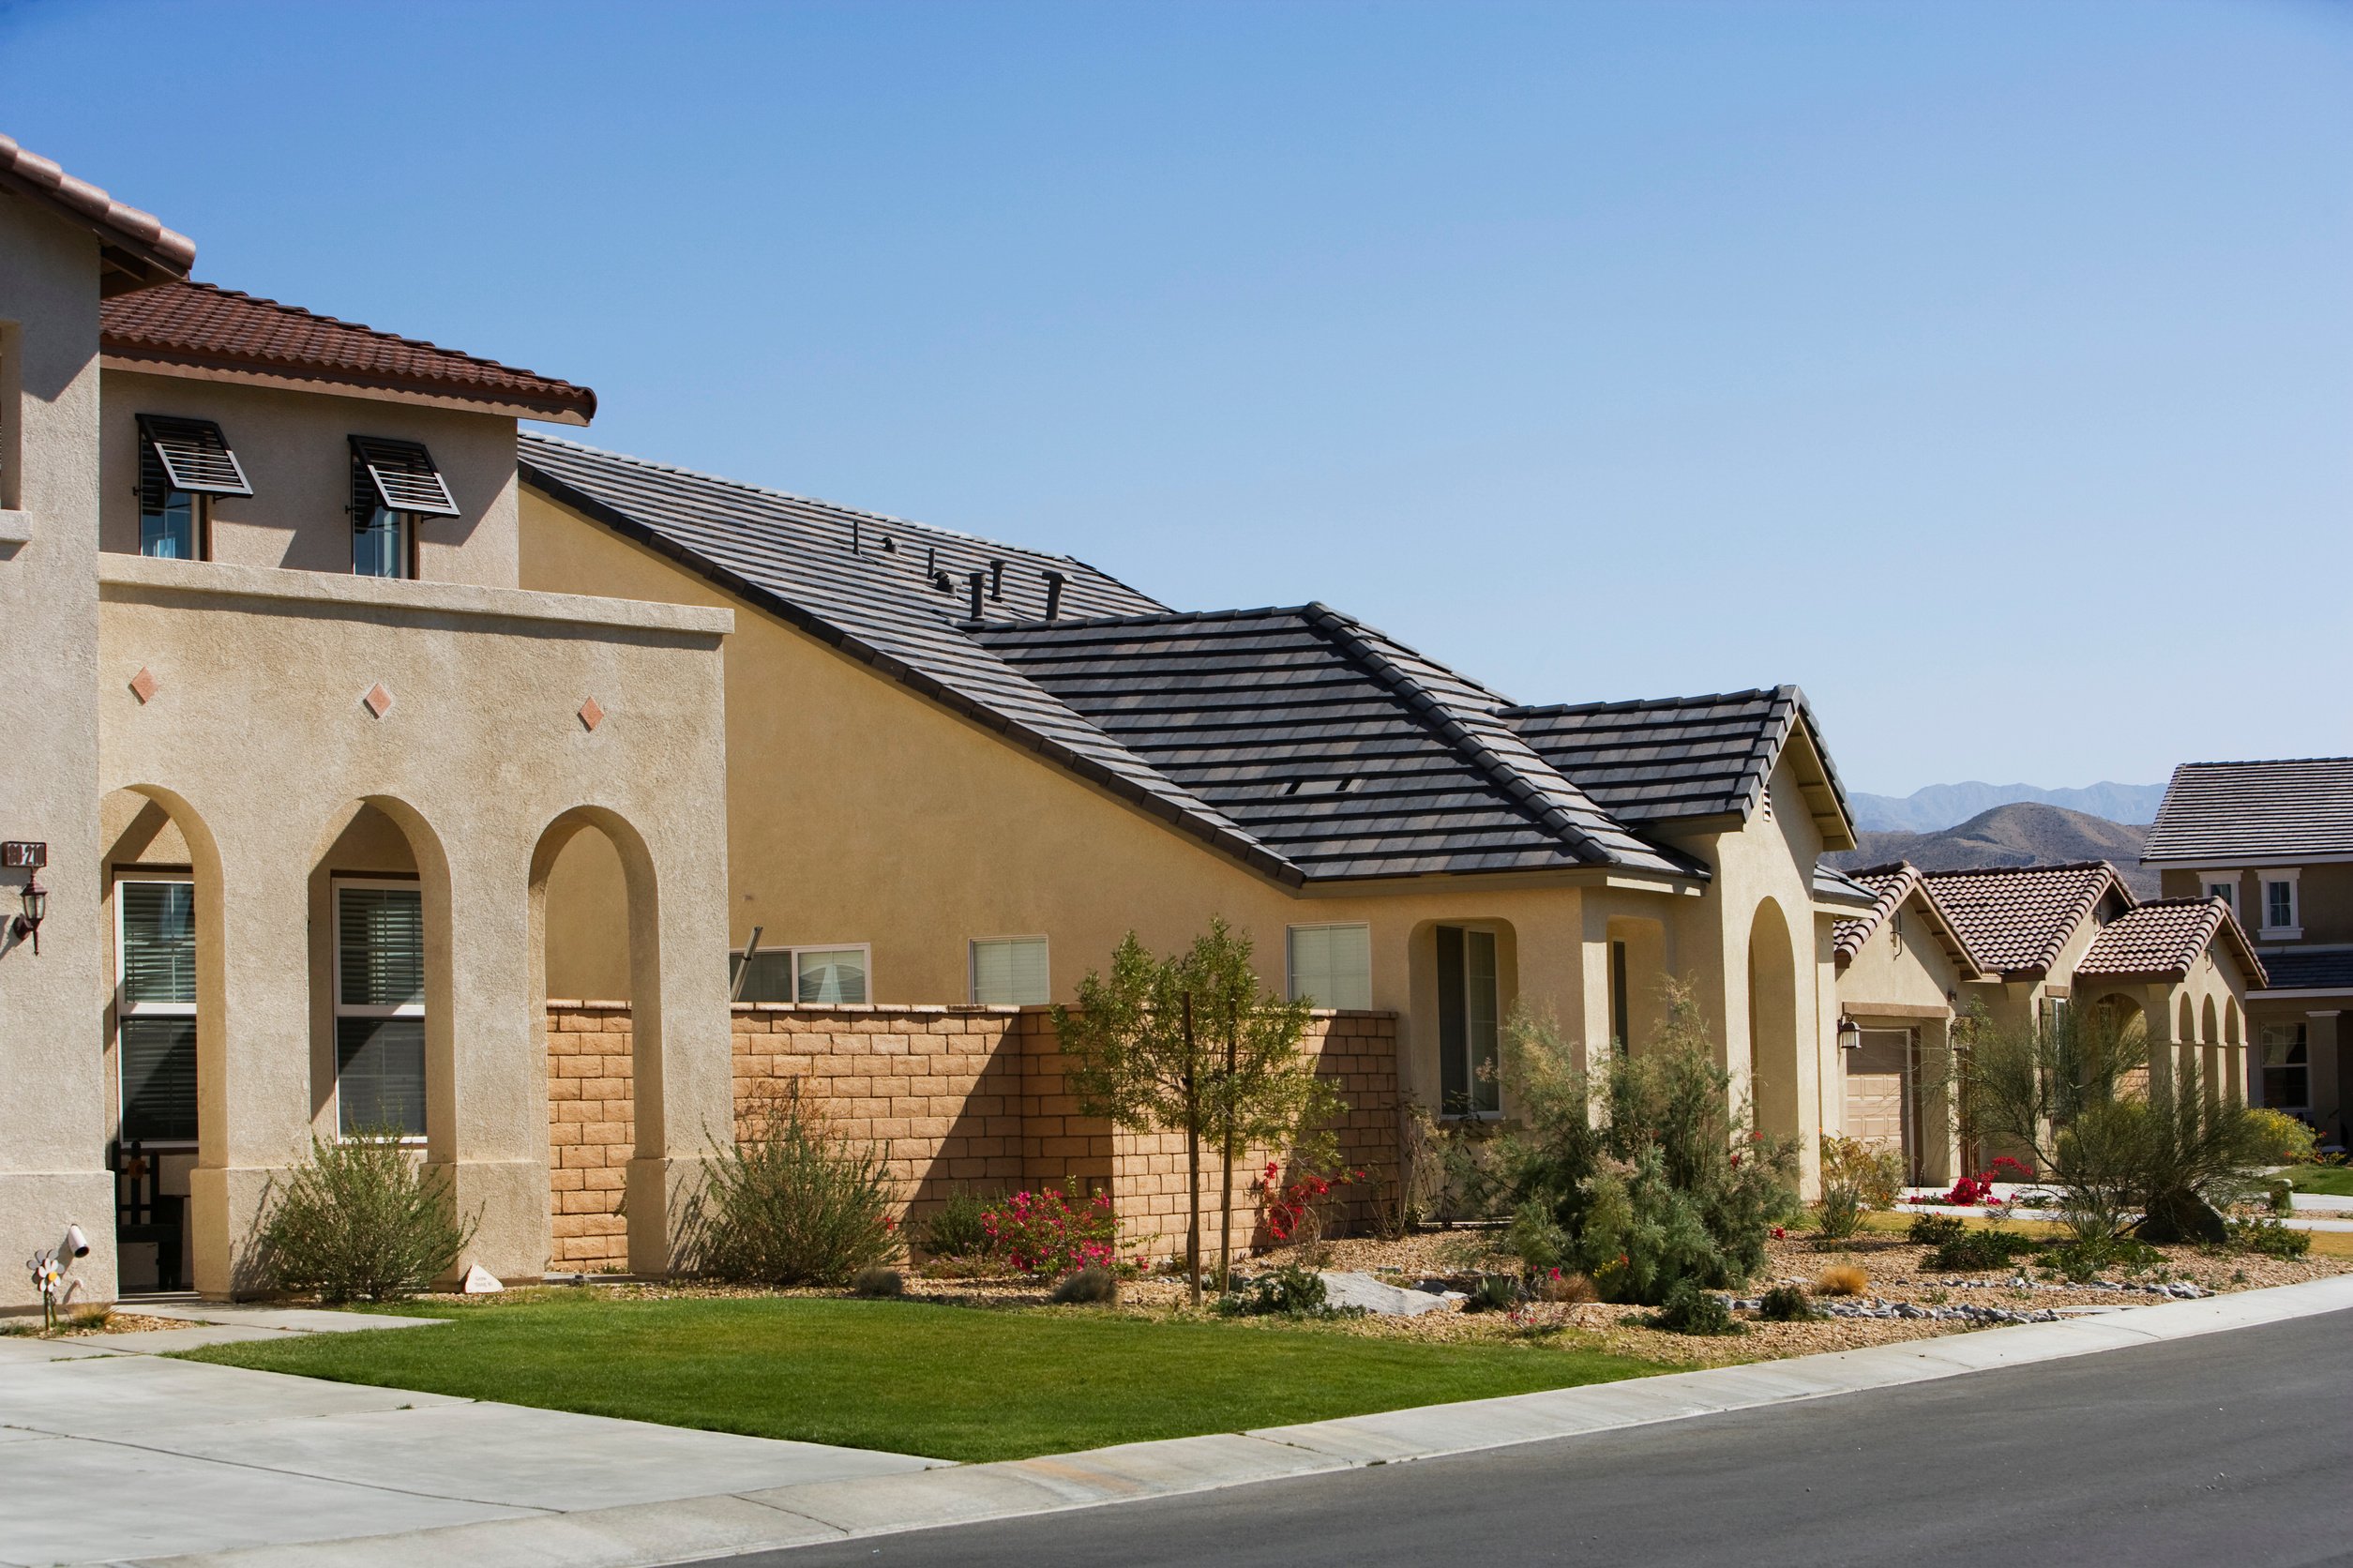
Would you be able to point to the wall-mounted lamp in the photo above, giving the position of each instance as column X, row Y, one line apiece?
column 1849, row 1034
column 28, row 857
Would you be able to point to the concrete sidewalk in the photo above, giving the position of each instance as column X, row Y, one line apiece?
column 109, row 1452
column 726, row 1518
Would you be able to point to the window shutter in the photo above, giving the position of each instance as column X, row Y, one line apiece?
column 190, row 455
column 399, row 476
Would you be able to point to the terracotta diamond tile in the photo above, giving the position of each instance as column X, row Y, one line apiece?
column 379, row 701
column 591, row 713
column 143, row 686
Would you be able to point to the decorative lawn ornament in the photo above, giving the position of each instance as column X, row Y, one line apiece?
column 50, row 1270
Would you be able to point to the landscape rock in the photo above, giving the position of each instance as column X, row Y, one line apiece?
column 1382, row 1301
column 480, row 1281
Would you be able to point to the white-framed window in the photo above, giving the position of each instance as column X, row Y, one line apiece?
column 839, row 971
column 155, row 1006
column 1330, row 965
column 1010, row 971
column 2053, row 1011
column 379, row 1006
column 2284, row 1067
column 2280, row 912
column 1468, row 1017
column 2222, row 884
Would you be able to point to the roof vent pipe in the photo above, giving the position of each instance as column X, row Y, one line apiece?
column 972, row 581
column 1053, row 596
column 997, row 578
column 931, row 560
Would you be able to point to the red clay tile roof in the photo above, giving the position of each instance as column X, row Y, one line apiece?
column 214, row 328
column 140, row 250
column 2017, row 918
column 1894, row 884
column 2165, row 938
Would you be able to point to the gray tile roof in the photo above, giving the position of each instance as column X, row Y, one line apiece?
column 792, row 556
column 1342, row 749
column 1834, row 886
column 1683, row 758
column 2164, row 938
column 2309, row 970
column 2218, row 812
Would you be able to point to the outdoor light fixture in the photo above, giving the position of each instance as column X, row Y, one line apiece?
column 17, row 855
column 1849, row 1034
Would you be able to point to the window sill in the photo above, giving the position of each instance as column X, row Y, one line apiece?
column 2280, row 933
column 16, row 528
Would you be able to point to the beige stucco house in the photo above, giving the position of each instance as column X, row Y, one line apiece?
column 292, row 753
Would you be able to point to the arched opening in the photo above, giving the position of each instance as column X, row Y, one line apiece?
column 2211, row 1033
column 1772, row 1024
column 596, row 997
column 163, row 1015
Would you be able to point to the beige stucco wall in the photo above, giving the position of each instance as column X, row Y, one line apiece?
column 2324, row 898
column 258, row 743
column 296, row 452
column 52, row 1092
column 1903, row 978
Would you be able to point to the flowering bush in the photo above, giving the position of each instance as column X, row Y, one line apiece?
column 1054, row 1232
column 1286, row 1206
column 1967, row 1193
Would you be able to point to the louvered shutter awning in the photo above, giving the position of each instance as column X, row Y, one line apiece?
column 194, row 454
column 403, row 478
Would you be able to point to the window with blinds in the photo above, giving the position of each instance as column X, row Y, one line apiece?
column 1011, row 972
column 380, row 1008
column 1332, row 965
column 1469, row 1013
column 155, row 1013
column 813, row 975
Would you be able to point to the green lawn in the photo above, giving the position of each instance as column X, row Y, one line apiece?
column 2335, row 1179
column 951, row 1382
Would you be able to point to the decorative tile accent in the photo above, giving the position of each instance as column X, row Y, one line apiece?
column 591, row 713
column 378, row 701
column 144, row 685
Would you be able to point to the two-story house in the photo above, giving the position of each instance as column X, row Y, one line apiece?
column 2274, row 841
column 290, row 754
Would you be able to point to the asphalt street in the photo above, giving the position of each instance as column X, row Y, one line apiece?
column 2233, row 1449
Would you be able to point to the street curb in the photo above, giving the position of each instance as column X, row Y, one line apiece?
column 651, row 1535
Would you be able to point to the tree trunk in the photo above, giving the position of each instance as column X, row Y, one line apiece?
column 1225, row 1172
column 1192, row 1153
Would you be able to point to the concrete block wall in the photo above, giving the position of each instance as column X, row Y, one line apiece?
column 958, row 1096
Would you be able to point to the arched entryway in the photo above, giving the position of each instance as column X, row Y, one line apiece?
column 1773, row 1073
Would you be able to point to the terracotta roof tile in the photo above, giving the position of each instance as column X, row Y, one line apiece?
column 1895, row 886
column 164, row 252
column 2017, row 918
column 208, row 327
column 2165, row 938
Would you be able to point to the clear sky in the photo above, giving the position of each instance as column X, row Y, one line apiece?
column 1986, row 369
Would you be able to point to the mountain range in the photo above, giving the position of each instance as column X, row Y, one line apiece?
column 2026, row 833
column 1942, row 805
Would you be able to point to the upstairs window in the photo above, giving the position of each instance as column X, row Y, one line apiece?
column 2223, row 886
column 2278, row 907
column 183, row 463
column 394, row 485
column 155, row 1011
column 814, row 974
column 1332, row 966
column 1468, row 1014
column 380, row 1007
column 1011, row 972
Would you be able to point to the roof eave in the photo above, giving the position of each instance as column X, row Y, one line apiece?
column 575, row 411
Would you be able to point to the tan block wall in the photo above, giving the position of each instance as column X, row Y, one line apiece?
column 962, row 1096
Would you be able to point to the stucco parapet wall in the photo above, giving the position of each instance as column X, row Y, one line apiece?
column 138, row 576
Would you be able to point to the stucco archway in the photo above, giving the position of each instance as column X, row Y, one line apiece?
column 1773, row 1073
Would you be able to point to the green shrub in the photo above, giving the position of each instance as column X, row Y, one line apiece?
column 958, row 1229
column 1536, row 1238
column 878, row 1283
column 1688, row 1309
column 1289, row 1292
column 2287, row 1139
column 790, row 1202
column 2081, row 1261
column 360, row 1220
column 1937, row 1229
column 2270, row 1238
column 1787, row 1303
column 1091, row 1285
column 1856, row 1180
column 1972, row 1250
column 1496, row 1292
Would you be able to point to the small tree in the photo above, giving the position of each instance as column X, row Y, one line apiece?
column 1191, row 1044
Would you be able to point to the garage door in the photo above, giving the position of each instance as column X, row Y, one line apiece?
column 1875, row 1088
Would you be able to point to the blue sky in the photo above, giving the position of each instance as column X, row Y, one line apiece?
column 1986, row 369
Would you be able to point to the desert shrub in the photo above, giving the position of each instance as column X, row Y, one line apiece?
column 1536, row 1238
column 2270, row 1238
column 1569, row 1289
column 360, row 1220
column 1289, row 1292
column 1055, row 1231
column 2081, row 1261
column 1857, row 1178
column 1839, row 1214
column 958, row 1229
column 1937, row 1229
column 1972, row 1250
column 1091, row 1285
column 877, row 1282
column 1842, row 1279
column 1662, row 1185
column 1688, row 1309
column 1787, row 1303
column 790, row 1201
column 2290, row 1137
column 1496, row 1292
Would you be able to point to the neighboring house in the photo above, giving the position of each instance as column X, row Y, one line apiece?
column 2274, row 841
column 960, row 770
column 294, row 751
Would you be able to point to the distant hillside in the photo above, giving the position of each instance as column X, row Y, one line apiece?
column 1941, row 806
column 2020, row 835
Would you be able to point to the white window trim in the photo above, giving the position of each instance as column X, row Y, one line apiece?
column 793, row 955
column 1290, row 972
column 339, row 1009
column 971, row 967
column 2294, row 929
column 125, row 1008
column 2235, row 878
